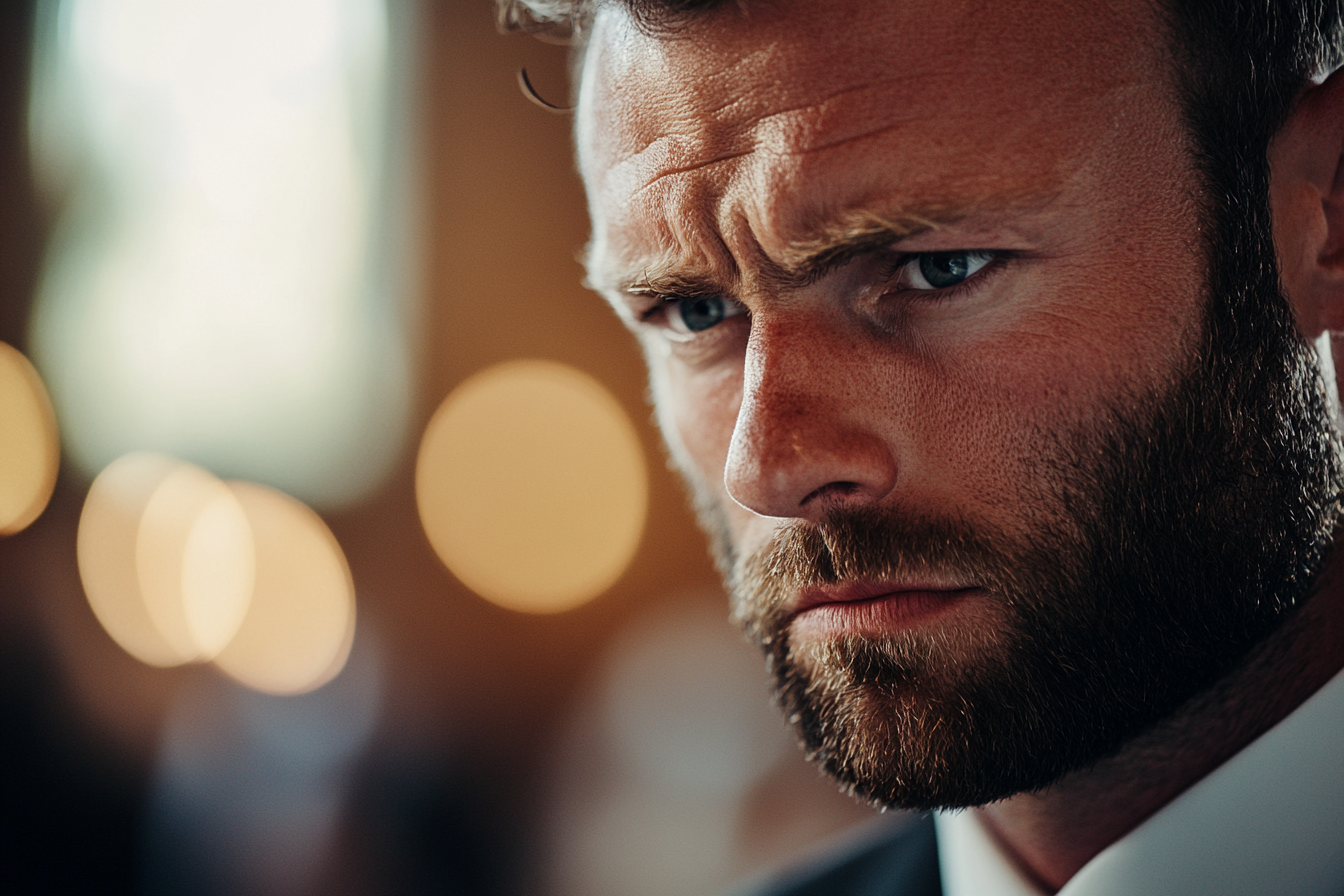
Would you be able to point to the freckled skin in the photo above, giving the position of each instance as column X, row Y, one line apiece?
column 720, row 148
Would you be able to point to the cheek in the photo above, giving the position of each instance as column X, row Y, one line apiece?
column 698, row 409
column 703, row 407
column 971, row 422
column 1011, row 408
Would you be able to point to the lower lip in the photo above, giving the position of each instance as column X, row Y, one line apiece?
column 882, row 615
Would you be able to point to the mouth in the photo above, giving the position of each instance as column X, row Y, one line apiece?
column 874, row 608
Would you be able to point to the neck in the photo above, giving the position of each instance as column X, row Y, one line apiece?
column 1055, row 832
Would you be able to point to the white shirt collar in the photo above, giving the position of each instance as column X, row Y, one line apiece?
column 1269, row 820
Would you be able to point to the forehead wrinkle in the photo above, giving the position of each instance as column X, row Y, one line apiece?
column 668, row 270
column 832, row 120
column 692, row 166
column 780, row 132
column 824, row 145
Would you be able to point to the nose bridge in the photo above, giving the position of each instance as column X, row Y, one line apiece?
column 808, row 427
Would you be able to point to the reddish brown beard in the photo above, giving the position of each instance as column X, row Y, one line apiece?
column 1197, row 528
column 913, row 719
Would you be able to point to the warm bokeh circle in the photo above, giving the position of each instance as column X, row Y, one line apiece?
column 29, row 448
column 532, row 486
column 180, row 567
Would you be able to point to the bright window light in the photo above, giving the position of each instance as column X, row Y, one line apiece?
column 217, row 287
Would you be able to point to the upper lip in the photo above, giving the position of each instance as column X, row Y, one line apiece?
column 852, row 592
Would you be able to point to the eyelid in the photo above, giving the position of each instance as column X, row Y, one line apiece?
column 657, row 303
column 898, row 265
column 667, row 305
column 660, row 305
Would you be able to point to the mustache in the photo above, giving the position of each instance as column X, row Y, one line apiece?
column 858, row 544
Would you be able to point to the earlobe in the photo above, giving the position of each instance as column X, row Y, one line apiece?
column 1307, row 202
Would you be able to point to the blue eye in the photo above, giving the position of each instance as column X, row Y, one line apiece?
column 684, row 318
column 940, row 270
column 700, row 313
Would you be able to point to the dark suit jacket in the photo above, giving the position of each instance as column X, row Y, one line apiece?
column 903, row 862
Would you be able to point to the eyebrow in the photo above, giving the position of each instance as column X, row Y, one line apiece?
column 830, row 245
column 838, row 242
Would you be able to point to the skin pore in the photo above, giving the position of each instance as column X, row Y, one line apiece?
column 771, row 192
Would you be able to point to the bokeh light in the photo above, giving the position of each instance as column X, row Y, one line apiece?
column 180, row 567
column 195, row 561
column 108, row 553
column 29, row 449
column 301, row 621
column 531, row 486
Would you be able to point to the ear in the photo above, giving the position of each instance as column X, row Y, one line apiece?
column 1307, row 201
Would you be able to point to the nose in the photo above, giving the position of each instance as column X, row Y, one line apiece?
column 809, row 432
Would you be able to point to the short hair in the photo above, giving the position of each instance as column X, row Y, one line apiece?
column 1242, row 63
column 570, row 19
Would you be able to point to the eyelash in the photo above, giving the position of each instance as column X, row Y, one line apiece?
column 998, row 258
column 664, row 303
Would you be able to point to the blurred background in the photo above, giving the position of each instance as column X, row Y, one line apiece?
column 363, row 571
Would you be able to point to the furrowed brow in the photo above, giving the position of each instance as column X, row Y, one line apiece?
column 828, row 245
column 804, row 262
column 669, row 283
column 658, row 276
column 834, row 244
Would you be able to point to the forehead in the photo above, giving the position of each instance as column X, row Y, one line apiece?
column 770, row 117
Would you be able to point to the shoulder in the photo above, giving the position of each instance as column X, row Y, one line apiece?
column 899, row 860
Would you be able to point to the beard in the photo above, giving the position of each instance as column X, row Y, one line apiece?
column 1161, row 542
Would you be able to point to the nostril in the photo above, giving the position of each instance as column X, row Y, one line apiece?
column 830, row 490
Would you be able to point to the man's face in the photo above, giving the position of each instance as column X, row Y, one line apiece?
column 922, row 291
